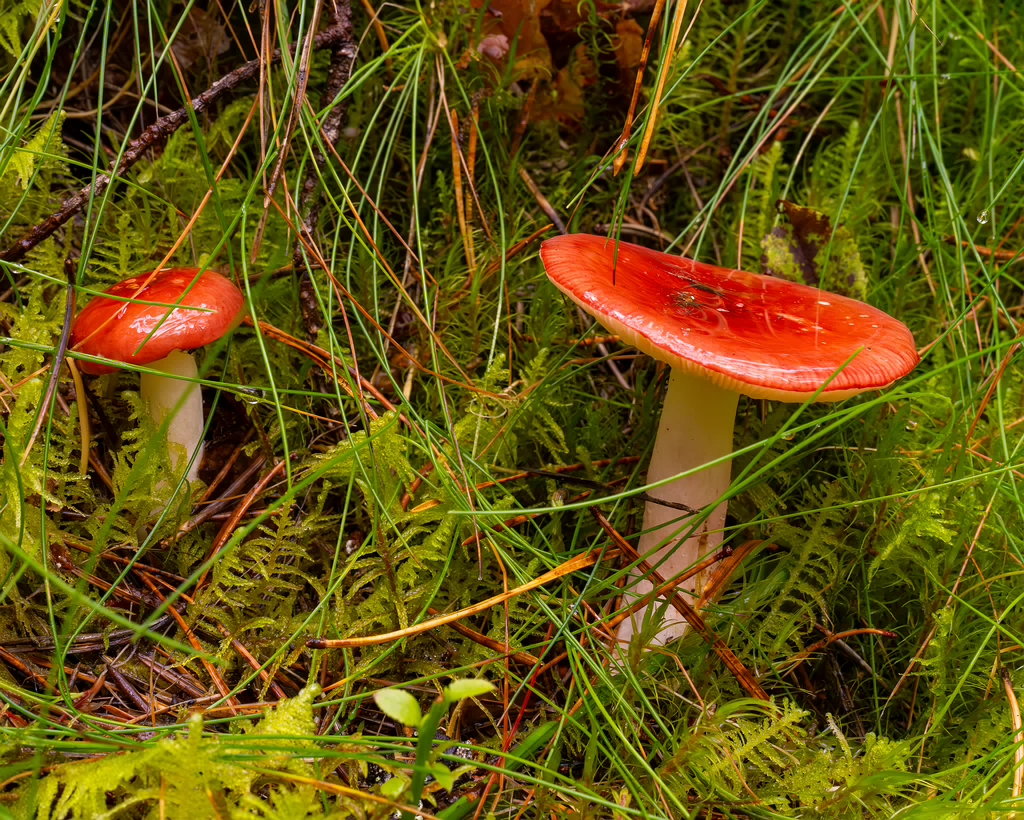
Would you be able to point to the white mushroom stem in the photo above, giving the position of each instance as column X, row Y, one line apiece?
column 696, row 428
column 174, row 396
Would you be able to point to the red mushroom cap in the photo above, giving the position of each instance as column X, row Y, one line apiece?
column 757, row 335
column 120, row 330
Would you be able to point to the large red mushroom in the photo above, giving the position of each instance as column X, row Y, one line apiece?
column 723, row 332
column 155, row 320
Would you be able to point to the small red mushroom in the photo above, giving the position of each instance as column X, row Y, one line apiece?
column 723, row 332
column 154, row 320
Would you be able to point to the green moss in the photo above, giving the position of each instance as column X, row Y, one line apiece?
column 895, row 513
column 188, row 775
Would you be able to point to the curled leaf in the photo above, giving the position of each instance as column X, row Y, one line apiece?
column 804, row 247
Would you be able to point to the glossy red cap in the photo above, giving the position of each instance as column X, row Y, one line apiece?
column 757, row 335
column 115, row 329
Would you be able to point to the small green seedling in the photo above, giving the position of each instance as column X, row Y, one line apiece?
column 520, row 756
column 399, row 705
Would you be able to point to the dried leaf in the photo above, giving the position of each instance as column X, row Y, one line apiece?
column 804, row 247
column 202, row 37
column 628, row 44
column 565, row 100
column 568, row 15
column 519, row 22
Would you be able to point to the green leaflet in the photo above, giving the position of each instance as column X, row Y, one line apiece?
column 42, row 149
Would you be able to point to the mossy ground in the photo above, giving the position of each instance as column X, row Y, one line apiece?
column 415, row 420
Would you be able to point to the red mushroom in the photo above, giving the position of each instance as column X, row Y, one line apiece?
column 154, row 321
column 723, row 332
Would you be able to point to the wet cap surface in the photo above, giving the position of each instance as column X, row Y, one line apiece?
column 757, row 335
column 115, row 329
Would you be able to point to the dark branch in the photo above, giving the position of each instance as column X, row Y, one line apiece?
column 160, row 129
column 342, row 60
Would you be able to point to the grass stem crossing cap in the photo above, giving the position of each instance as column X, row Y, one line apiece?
column 756, row 335
column 155, row 320
column 152, row 316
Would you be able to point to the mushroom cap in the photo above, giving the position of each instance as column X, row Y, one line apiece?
column 757, row 335
column 192, row 309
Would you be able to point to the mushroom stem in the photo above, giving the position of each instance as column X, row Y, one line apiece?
column 178, row 397
column 696, row 428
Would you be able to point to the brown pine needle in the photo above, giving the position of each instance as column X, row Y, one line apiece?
column 460, row 203
column 542, row 200
column 211, row 670
column 518, row 248
column 830, row 639
column 524, row 658
column 238, row 513
column 378, row 29
column 1018, row 735
column 335, row 788
column 85, row 428
column 992, row 253
column 572, row 565
column 627, row 129
column 721, row 577
column 508, row 256
column 652, row 120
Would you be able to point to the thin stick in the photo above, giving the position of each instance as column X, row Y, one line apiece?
column 1018, row 736
column 160, row 129
column 542, row 200
column 572, row 565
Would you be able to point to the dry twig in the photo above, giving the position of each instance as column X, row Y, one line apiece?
column 161, row 129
